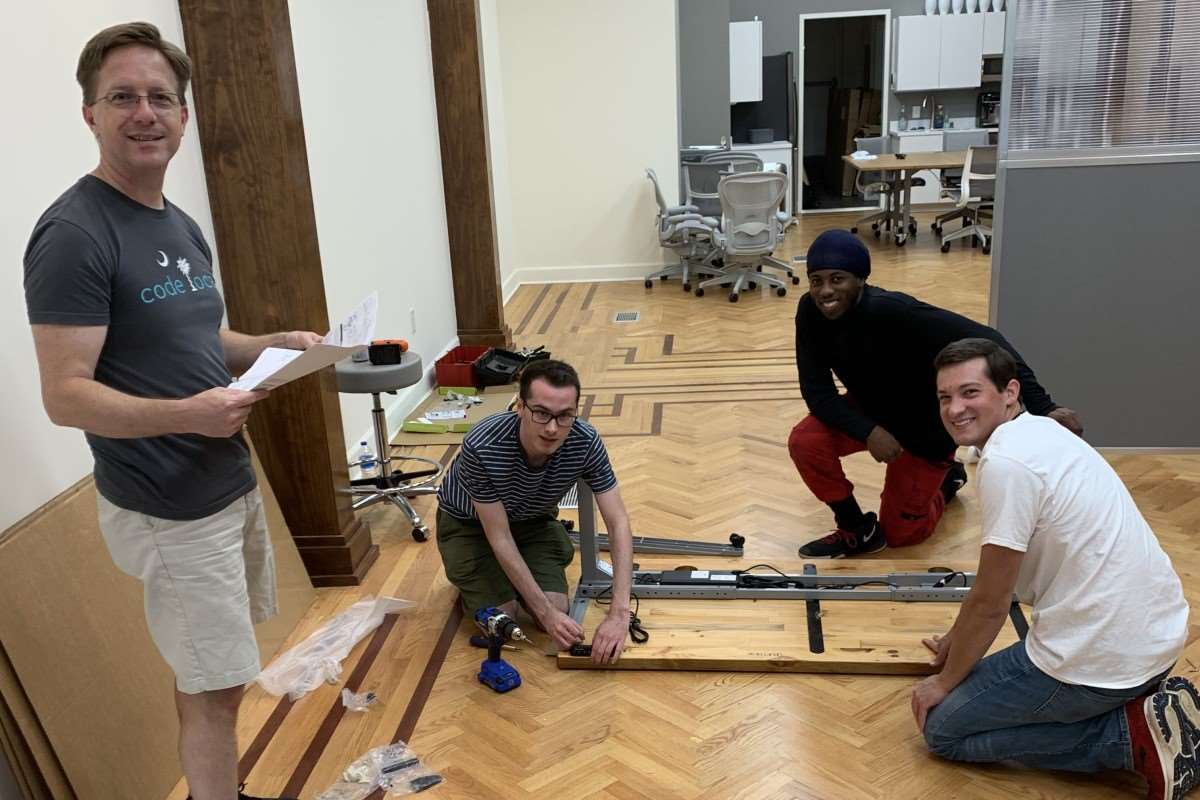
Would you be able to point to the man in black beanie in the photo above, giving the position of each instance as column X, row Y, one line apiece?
column 881, row 346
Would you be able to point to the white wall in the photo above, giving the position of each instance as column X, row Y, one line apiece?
column 370, row 123
column 589, row 101
column 47, row 147
column 497, row 133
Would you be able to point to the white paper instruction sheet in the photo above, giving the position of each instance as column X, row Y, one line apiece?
column 277, row 366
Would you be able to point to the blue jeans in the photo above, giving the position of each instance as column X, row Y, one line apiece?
column 1009, row 710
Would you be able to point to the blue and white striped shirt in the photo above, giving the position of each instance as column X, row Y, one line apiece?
column 491, row 467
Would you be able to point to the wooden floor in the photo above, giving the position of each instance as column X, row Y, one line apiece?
column 695, row 401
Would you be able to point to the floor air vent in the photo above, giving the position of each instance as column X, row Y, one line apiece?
column 627, row 316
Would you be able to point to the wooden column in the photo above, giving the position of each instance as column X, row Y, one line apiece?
column 256, row 165
column 466, row 175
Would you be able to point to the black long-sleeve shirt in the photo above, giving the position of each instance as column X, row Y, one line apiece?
column 882, row 351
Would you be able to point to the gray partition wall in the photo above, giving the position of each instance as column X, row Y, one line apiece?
column 703, row 71
column 1095, row 270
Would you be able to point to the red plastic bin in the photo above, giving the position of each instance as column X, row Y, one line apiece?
column 457, row 367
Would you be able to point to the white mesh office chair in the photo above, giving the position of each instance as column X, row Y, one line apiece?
column 683, row 230
column 977, row 199
column 749, row 231
column 740, row 161
column 952, row 178
column 873, row 184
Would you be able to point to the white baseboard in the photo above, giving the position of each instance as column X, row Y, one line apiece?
column 585, row 273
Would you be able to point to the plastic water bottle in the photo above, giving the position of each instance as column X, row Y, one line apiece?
column 365, row 459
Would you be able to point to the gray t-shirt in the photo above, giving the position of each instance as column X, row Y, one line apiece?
column 98, row 257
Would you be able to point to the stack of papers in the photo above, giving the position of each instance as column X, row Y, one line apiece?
column 277, row 366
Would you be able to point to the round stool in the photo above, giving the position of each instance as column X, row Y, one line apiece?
column 363, row 377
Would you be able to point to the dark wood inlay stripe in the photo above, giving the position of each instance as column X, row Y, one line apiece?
column 264, row 737
column 587, row 300
column 554, row 310
column 533, row 309
column 416, row 704
column 316, row 747
column 668, row 344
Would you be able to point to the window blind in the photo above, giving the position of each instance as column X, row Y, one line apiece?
column 1104, row 74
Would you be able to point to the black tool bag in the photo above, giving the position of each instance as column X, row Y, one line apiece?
column 497, row 366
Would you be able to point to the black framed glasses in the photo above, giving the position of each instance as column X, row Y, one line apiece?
column 159, row 101
column 541, row 416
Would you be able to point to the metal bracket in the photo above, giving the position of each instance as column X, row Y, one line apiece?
column 666, row 547
column 595, row 580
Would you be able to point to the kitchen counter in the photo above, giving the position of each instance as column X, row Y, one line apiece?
column 939, row 131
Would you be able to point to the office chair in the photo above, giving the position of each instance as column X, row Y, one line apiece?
column 872, row 184
column 739, row 161
column 684, row 230
column 977, row 198
column 952, row 178
column 749, row 231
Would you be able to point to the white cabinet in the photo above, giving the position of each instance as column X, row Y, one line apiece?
column 938, row 52
column 993, row 33
column 745, row 62
column 918, row 53
column 962, row 51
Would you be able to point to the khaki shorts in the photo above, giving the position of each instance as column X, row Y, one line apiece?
column 206, row 583
column 472, row 566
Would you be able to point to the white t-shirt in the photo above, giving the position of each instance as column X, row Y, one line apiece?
column 1108, row 608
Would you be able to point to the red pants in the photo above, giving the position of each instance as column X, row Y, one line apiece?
column 911, row 503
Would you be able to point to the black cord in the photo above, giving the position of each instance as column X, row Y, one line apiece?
column 949, row 576
column 636, row 632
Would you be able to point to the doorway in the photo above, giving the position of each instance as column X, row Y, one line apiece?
column 842, row 72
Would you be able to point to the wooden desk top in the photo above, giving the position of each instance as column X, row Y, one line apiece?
column 911, row 161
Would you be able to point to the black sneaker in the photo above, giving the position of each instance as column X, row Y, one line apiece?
column 956, row 478
column 867, row 538
column 244, row 796
column 1173, row 717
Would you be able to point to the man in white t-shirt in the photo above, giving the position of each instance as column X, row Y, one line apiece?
column 1084, row 691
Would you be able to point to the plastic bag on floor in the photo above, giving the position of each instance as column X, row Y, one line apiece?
column 391, row 767
column 318, row 659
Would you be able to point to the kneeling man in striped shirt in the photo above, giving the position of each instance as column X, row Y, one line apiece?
column 497, row 526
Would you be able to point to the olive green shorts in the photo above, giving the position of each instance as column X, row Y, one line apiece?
column 472, row 566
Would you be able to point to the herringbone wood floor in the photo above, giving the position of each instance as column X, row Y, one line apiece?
column 695, row 401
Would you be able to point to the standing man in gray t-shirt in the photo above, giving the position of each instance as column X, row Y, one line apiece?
column 126, row 323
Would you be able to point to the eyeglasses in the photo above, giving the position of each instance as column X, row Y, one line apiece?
column 159, row 101
column 542, row 417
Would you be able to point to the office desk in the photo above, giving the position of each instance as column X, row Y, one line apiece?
column 906, row 166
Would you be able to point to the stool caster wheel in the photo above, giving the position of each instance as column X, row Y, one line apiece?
column 877, row 233
column 753, row 285
column 733, row 297
column 649, row 284
column 569, row 524
column 854, row 230
column 699, row 292
column 420, row 534
column 687, row 287
column 945, row 247
column 781, row 291
column 737, row 540
column 795, row 281
column 986, row 249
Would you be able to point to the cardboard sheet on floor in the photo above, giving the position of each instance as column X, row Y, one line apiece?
column 85, row 687
column 495, row 400
column 865, row 637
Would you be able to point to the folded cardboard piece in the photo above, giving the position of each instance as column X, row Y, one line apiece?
column 86, row 702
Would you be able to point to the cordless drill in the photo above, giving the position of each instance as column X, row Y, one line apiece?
column 499, row 628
